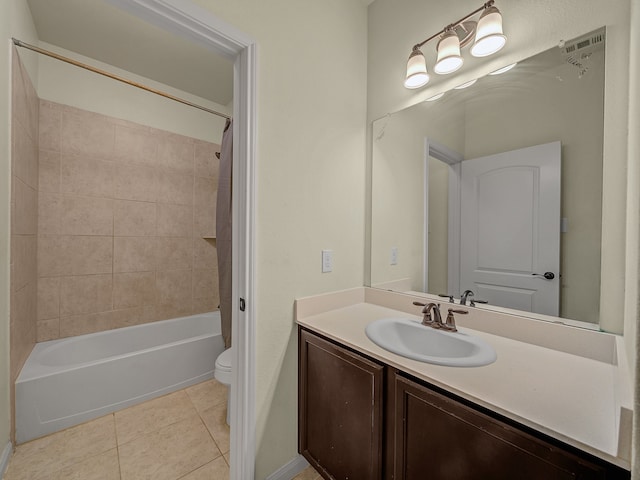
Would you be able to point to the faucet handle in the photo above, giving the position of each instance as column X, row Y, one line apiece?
column 450, row 324
column 447, row 295
column 473, row 302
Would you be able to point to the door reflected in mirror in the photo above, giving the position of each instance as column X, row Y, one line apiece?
column 443, row 220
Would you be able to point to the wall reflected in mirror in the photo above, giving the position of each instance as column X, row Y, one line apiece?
column 418, row 174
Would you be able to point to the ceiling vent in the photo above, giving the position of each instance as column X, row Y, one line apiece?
column 584, row 45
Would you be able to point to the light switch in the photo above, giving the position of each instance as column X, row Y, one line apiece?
column 327, row 261
column 393, row 260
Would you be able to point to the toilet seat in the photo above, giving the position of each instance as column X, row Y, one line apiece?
column 222, row 371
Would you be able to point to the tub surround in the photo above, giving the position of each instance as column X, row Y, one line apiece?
column 568, row 383
column 122, row 209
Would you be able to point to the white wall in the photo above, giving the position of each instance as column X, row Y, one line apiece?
column 531, row 27
column 310, row 182
column 70, row 85
column 15, row 20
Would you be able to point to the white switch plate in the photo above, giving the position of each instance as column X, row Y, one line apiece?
column 327, row 261
column 393, row 260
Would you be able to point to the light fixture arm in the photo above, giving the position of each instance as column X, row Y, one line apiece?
column 453, row 25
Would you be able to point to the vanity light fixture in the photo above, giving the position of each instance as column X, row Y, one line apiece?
column 488, row 40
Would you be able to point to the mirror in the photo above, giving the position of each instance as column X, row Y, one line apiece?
column 424, row 221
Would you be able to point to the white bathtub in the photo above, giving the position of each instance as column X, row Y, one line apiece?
column 69, row 381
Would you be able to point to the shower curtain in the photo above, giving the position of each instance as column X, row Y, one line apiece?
column 223, row 230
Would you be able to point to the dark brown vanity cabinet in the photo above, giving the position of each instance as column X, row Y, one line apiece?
column 362, row 420
column 340, row 410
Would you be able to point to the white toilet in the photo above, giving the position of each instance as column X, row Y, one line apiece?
column 222, row 373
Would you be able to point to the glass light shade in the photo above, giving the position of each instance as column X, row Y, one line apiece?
column 449, row 59
column 489, row 37
column 417, row 75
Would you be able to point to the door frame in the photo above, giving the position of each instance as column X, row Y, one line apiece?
column 454, row 160
column 184, row 18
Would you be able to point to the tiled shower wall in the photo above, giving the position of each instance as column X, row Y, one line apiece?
column 24, row 217
column 122, row 212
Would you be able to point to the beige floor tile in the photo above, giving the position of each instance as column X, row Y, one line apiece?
column 168, row 453
column 153, row 415
column 207, row 394
column 215, row 418
column 308, row 473
column 39, row 458
column 101, row 467
column 216, row 470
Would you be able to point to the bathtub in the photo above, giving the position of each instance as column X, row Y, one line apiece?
column 69, row 381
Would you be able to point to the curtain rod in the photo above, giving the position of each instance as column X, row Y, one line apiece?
column 20, row 43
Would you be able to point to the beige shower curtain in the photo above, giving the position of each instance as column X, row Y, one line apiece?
column 223, row 230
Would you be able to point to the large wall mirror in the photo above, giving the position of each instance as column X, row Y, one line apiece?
column 491, row 187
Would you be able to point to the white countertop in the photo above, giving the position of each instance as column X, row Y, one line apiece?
column 574, row 398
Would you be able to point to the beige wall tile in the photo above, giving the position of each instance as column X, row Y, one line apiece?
column 22, row 326
column 74, row 255
column 74, row 215
column 176, row 153
column 24, row 265
column 174, row 287
column 204, row 305
column 86, row 133
column 48, row 297
column 86, row 294
column 47, row 329
column 50, row 126
column 24, row 157
column 174, row 253
column 205, row 283
column 49, row 213
column 175, row 188
column 205, row 254
column 174, row 220
column 127, row 317
column 134, row 289
column 136, row 145
column 135, row 182
column 86, row 216
column 131, row 218
column 85, row 175
column 205, row 207
column 134, row 254
column 24, row 220
column 85, row 323
column 206, row 162
column 49, row 171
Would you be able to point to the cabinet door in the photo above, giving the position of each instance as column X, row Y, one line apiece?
column 438, row 438
column 340, row 410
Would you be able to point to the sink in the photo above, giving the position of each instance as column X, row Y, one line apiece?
column 411, row 339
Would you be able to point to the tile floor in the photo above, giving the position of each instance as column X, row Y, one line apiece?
column 182, row 435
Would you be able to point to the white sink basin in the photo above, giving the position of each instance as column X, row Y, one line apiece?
column 411, row 339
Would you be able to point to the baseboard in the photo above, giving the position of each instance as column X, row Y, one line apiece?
column 4, row 459
column 289, row 470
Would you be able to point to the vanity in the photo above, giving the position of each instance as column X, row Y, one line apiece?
column 556, row 402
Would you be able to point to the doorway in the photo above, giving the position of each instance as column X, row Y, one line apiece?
column 186, row 19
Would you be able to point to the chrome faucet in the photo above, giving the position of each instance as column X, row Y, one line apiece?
column 436, row 321
column 465, row 295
